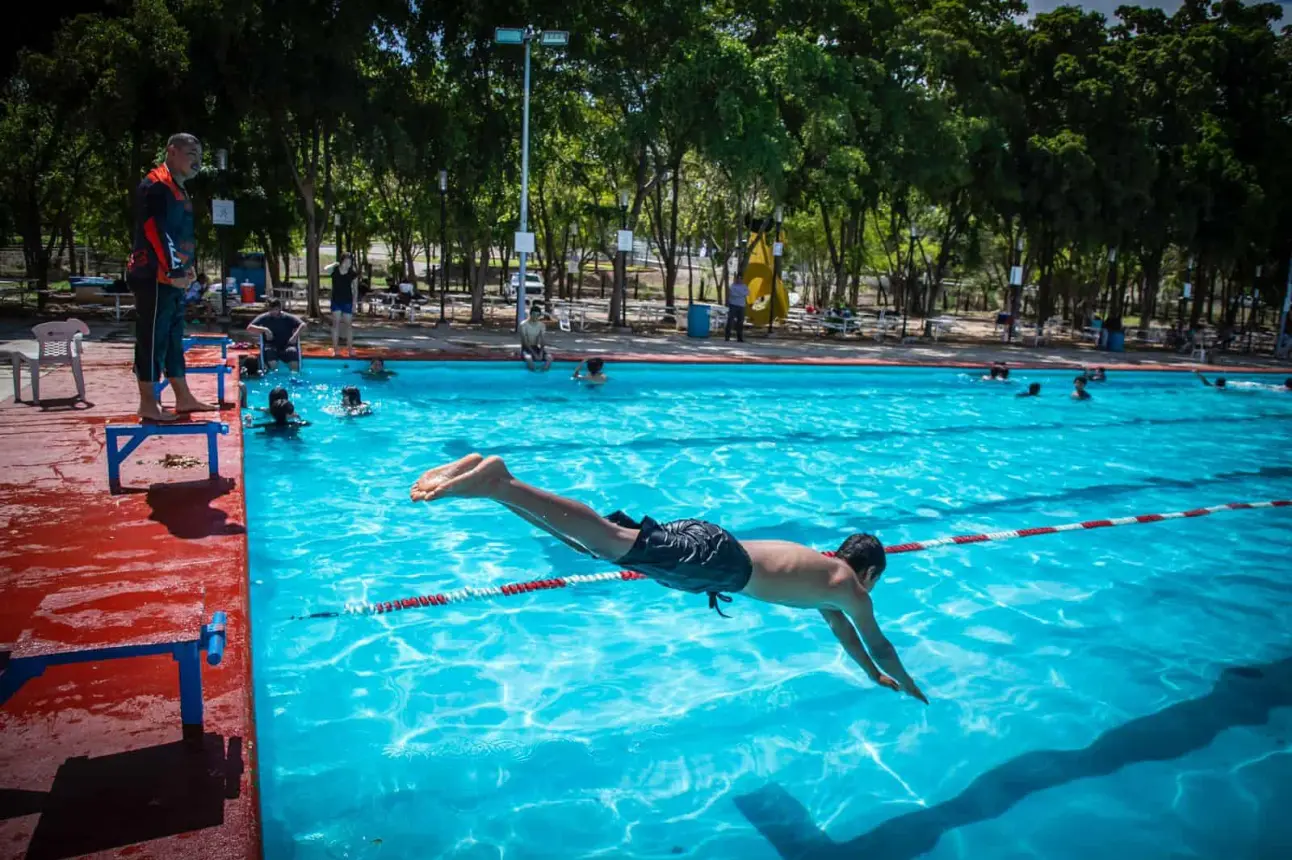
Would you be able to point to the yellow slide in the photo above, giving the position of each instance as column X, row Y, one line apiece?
column 759, row 272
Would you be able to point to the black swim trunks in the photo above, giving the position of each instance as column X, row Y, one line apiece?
column 689, row 555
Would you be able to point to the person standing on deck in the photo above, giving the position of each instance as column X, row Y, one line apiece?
column 159, row 272
column 737, row 298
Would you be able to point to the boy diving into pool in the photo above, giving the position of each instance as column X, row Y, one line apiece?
column 700, row 557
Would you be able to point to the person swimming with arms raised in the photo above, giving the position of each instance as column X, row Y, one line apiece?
column 699, row 557
column 352, row 405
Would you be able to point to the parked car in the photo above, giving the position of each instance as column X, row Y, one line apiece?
column 533, row 286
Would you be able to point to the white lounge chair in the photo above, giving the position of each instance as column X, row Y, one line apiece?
column 57, row 343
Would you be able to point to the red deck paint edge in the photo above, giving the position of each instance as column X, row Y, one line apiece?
column 500, row 356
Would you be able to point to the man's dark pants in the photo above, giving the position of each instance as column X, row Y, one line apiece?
column 736, row 317
column 159, row 332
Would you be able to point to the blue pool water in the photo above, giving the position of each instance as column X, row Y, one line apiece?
column 1127, row 691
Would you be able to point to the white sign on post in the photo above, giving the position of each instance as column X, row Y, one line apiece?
column 1016, row 276
column 572, row 267
column 222, row 212
column 524, row 243
column 778, row 249
column 1188, row 290
column 626, row 241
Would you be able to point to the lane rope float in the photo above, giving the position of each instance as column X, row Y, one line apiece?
column 490, row 592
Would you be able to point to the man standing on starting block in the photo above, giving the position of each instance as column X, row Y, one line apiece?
column 160, row 270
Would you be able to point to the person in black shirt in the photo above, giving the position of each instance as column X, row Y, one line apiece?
column 343, row 298
column 281, row 333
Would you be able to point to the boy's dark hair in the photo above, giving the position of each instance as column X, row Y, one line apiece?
column 281, row 410
column 350, row 395
column 1034, row 388
column 1287, row 383
column 862, row 551
column 1081, row 378
column 1004, row 372
column 595, row 365
column 249, row 365
column 1220, row 381
column 274, row 304
column 279, row 393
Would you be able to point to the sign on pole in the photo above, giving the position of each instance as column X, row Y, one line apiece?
column 524, row 243
column 778, row 249
column 222, row 212
column 626, row 241
column 1016, row 276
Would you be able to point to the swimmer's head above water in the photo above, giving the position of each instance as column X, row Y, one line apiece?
column 282, row 411
column 376, row 366
column 865, row 555
column 350, row 397
column 595, row 365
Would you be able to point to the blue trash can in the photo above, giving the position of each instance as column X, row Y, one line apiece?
column 697, row 321
column 1116, row 341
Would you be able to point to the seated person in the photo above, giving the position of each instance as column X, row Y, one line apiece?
column 532, row 348
column 377, row 370
column 1079, row 388
column 352, row 404
column 195, row 298
column 1033, row 390
column 594, row 376
column 281, row 333
column 405, row 294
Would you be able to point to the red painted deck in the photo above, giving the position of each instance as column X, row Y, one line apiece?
column 91, row 758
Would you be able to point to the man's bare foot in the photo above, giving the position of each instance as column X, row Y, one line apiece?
column 469, row 477
column 156, row 414
column 353, row 354
column 187, row 406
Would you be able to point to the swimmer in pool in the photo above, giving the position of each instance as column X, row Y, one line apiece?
column 1246, row 386
column 1096, row 374
column 594, row 376
column 998, row 373
column 285, row 418
column 1033, row 390
column 352, row 404
column 1079, row 388
column 377, row 370
column 700, row 557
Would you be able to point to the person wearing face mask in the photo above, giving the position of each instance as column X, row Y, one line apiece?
column 343, row 299
column 159, row 272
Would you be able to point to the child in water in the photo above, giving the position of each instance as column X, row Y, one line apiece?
column 352, row 404
column 377, row 370
column 594, row 376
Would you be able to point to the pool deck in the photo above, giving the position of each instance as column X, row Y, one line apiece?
column 91, row 754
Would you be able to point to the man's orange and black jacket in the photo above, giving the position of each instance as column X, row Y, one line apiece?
column 164, row 246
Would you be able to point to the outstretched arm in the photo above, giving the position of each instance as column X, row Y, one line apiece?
column 1204, row 379
column 862, row 613
column 843, row 630
column 579, row 369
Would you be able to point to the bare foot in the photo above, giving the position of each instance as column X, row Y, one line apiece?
column 156, row 414
column 467, row 478
column 353, row 354
column 187, row 406
column 432, row 482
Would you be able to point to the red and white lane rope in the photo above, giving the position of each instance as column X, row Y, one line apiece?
column 464, row 595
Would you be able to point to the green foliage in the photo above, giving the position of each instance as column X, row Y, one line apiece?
column 1162, row 135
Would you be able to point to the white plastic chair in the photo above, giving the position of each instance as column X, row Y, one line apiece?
column 563, row 319
column 58, row 343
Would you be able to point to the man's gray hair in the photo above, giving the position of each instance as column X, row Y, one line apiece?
column 183, row 139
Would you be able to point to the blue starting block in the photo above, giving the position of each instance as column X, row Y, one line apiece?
column 220, row 370
column 220, row 340
column 30, row 658
column 134, row 435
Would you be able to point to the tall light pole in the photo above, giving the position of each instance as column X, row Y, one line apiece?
column 1015, row 285
column 623, row 261
column 444, row 246
column 222, row 165
column 910, row 276
column 336, row 222
column 524, row 239
column 777, row 249
column 1251, row 317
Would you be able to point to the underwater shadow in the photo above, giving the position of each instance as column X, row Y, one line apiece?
column 1241, row 696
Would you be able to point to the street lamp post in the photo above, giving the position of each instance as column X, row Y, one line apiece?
column 444, row 245
column 525, row 36
column 623, row 262
column 1251, row 317
column 910, row 276
column 777, row 249
column 336, row 222
column 1015, row 286
column 222, row 165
